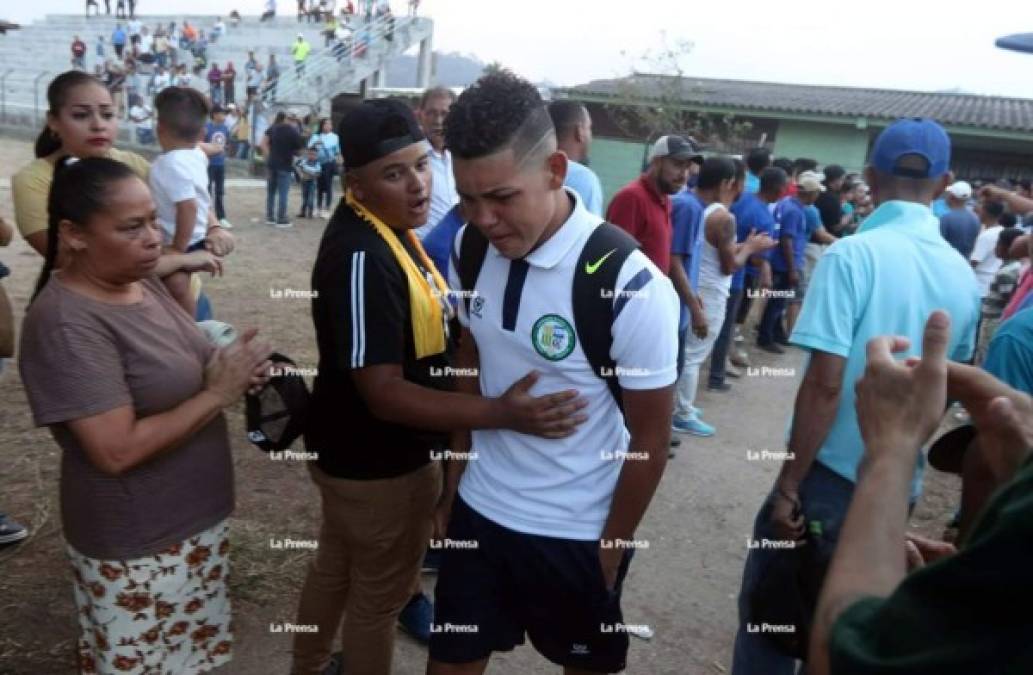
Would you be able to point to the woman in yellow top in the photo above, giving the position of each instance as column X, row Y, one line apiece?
column 81, row 123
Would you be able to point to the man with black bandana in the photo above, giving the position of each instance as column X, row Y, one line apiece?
column 381, row 404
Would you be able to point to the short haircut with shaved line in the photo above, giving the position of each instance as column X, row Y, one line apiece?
column 498, row 112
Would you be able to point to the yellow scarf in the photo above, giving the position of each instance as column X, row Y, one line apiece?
column 425, row 304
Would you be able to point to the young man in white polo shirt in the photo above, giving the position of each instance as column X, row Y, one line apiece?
column 542, row 530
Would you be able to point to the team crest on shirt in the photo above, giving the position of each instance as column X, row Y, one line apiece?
column 553, row 337
column 477, row 306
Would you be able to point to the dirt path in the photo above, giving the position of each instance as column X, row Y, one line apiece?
column 683, row 586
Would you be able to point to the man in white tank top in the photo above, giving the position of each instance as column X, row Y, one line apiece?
column 721, row 182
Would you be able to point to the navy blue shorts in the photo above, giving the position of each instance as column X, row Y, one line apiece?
column 487, row 598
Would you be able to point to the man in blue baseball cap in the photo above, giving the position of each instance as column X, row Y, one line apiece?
column 885, row 280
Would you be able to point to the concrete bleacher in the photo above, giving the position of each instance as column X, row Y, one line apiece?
column 32, row 56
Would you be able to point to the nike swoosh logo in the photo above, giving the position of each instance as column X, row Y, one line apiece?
column 590, row 268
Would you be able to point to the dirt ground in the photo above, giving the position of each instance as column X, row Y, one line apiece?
column 684, row 585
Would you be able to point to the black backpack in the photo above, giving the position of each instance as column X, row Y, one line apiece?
column 593, row 294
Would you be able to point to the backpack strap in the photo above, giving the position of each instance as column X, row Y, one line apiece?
column 596, row 301
column 472, row 249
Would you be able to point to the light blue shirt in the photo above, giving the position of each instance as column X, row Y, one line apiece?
column 583, row 181
column 884, row 280
column 1010, row 355
column 752, row 185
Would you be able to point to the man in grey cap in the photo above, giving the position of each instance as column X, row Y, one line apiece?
column 643, row 206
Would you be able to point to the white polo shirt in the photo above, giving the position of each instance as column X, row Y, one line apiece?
column 560, row 488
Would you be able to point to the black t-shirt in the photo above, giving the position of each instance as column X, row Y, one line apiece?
column 284, row 141
column 830, row 209
column 362, row 318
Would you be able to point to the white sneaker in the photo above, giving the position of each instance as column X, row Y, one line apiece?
column 324, row 213
column 225, row 224
column 269, row 221
column 284, row 226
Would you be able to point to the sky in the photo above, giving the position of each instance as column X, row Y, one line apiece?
column 895, row 44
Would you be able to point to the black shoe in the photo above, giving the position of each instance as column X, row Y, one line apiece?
column 784, row 341
column 719, row 386
column 675, row 441
column 10, row 531
column 770, row 347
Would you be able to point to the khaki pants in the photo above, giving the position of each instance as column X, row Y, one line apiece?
column 371, row 544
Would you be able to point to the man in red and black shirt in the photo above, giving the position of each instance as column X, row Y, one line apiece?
column 643, row 206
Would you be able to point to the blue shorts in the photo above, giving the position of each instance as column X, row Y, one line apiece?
column 511, row 584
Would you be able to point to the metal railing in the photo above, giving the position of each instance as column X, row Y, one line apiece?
column 326, row 71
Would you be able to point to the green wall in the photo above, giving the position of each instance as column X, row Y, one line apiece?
column 827, row 143
column 617, row 163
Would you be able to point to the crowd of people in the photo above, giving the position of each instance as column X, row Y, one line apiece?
column 529, row 426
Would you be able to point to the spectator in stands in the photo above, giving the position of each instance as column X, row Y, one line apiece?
column 229, row 80
column 217, row 31
column 962, row 614
column 431, row 112
column 234, row 19
column 118, row 40
column 162, row 79
column 99, row 49
column 132, row 9
column 254, row 81
column 120, row 9
column 757, row 160
column 280, row 143
column 574, row 136
column 161, row 47
column 215, row 84
column 272, row 77
column 959, row 225
column 78, row 54
column 270, row 11
column 895, row 269
column 414, row 7
column 300, row 51
column 93, row 4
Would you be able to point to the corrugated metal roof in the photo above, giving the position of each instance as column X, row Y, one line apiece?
column 990, row 112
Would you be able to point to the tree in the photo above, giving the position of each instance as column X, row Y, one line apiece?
column 492, row 68
column 649, row 101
